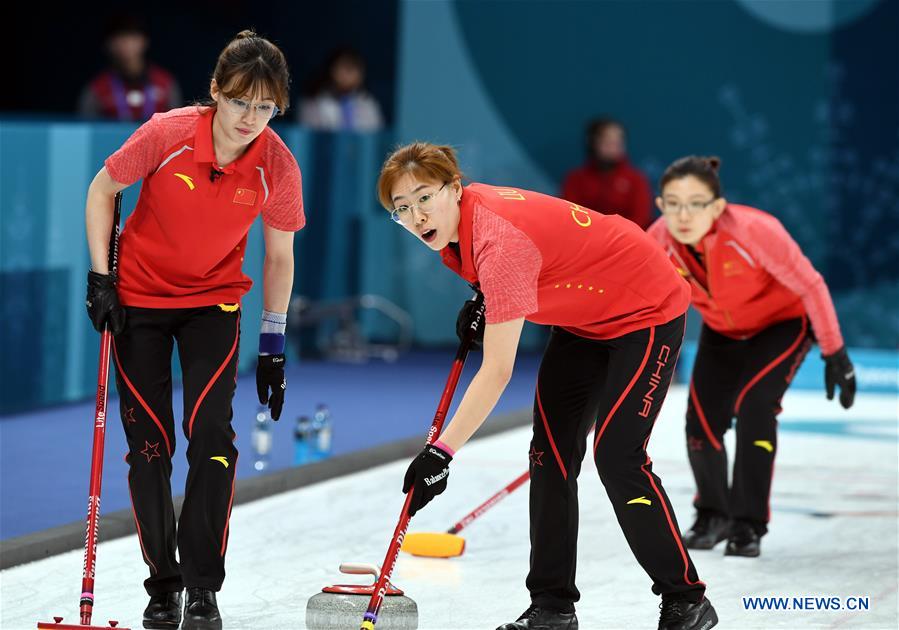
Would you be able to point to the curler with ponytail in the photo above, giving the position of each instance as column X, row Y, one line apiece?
column 251, row 64
column 703, row 168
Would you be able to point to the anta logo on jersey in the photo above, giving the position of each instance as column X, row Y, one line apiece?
column 654, row 380
column 244, row 196
column 187, row 179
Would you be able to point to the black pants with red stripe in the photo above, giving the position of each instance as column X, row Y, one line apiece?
column 207, row 340
column 745, row 379
column 618, row 385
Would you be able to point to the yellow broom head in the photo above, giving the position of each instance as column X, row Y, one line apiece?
column 433, row 545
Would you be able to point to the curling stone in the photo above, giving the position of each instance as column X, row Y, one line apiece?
column 343, row 606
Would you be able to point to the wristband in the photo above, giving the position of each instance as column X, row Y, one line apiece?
column 271, row 335
column 445, row 448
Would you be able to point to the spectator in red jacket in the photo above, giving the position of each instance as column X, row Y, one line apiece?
column 607, row 182
column 131, row 88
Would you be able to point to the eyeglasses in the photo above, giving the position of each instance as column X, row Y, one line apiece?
column 693, row 207
column 239, row 107
column 403, row 214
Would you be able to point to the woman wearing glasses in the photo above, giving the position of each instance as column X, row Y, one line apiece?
column 617, row 311
column 208, row 171
column 760, row 301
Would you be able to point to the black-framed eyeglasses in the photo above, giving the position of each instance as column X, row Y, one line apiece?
column 404, row 214
column 670, row 206
column 266, row 111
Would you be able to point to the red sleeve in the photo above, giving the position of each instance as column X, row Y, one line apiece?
column 781, row 256
column 283, row 205
column 508, row 265
column 142, row 152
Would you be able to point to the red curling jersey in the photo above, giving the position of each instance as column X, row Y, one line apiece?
column 752, row 275
column 183, row 246
column 553, row 262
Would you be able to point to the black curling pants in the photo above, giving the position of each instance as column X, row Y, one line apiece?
column 207, row 339
column 618, row 385
column 746, row 379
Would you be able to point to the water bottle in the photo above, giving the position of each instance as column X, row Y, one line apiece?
column 322, row 424
column 262, row 439
column 302, row 441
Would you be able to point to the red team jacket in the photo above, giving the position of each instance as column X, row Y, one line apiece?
column 184, row 244
column 553, row 262
column 754, row 275
column 621, row 190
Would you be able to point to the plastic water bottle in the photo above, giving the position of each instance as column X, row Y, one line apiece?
column 322, row 429
column 262, row 439
column 302, row 441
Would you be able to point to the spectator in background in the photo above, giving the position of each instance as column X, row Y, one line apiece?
column 131, row 88
column 607, row 182
column 340, row 101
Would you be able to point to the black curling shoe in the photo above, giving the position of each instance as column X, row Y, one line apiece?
column 538, row 618
column 709, row 529
column 163, row 612
column 743, row 541
column 681, row 614
column 201, row 611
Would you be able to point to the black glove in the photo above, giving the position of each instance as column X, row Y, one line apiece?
column 103, row 302
column 471, row 317
column 426, row 476
column 270, row 375
column 838, row 370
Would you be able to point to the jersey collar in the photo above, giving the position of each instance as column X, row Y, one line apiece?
column 463, row 266
column 205, row 152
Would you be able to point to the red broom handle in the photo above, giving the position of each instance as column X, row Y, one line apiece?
column 399, row 534
column 100, row 417
column 489, row 503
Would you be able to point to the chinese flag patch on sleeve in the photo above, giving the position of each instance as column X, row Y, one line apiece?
column 245, row 196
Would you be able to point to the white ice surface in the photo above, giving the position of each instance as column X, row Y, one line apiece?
column 285, row 548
